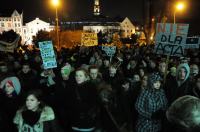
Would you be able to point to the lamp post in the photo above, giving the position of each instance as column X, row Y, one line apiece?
column 56, row 4
column 179, row 6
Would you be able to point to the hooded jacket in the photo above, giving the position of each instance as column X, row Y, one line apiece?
column 46, row 122
column 176, row 88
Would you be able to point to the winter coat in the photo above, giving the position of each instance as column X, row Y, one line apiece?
column 150, row 102
column 81, row 101
column 46, row 122
column 28, row 81
column 174, row 89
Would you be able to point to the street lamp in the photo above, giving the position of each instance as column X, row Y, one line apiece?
column 56, row 4
column 179, row 6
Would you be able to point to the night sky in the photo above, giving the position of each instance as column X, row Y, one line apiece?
column 83, row 8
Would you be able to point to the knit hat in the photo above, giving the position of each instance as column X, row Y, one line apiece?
column 154, row 77
column 12, row 81
column 66, row 69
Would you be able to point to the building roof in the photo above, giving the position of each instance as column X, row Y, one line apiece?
column 15, row 13
column 9, row 13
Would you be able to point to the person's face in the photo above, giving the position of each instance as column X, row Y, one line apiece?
column 3, row 69
column 152, row 64
column 194, row 69
column 47, row 71
column 25, row 68
column 93, row 73
column 96, row 55
column 144, row 81
column 132, row 64
column 173, row 71
column 162, row 67
column 80, row 77
column 8, row 88
column 182, row 74
column 106, row 63
column 32, row 103
column 141, row 72
column 136, row 78
column 126, row 86
column 64, row 75
column 156, row 85
column 112, row 71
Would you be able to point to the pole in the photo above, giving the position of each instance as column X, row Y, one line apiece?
column 57, row 33
column 168, row 57
column 174, row 17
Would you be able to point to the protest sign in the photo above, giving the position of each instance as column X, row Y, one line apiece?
column 171, row 38
column 9, row 47
column 89, row 39
column 109, row 50
column 47, row 53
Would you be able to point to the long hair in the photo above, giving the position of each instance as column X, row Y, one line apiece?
column 37, row 94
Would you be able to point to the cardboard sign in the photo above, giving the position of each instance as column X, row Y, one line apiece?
column 47, row 53
column 89, row 39
column 109, row 50
column 171, row 38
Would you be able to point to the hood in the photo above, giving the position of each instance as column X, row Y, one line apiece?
column 186, row 67
column 47, row 114
column 15, row 83
column 154, row 77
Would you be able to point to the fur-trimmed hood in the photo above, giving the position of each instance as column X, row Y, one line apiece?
column 47, row 114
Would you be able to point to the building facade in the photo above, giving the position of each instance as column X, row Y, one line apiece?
column 27, row 31
column 14, row 22
column 32, row 28
column 127, row 28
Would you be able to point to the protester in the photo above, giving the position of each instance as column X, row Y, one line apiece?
column 35, row 115
column 82, row 104
column 179, row 86
column 75, row 96
column 27, row 77
column 151, row 105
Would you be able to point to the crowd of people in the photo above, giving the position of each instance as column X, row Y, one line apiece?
column 134, row 91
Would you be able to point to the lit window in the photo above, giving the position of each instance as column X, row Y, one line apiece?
column 9, row 24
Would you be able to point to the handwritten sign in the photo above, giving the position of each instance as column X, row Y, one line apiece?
column 47, row 53
column 89, row 39
column 171, row 38
column 109, row 50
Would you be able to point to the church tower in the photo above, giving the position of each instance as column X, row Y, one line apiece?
column 96, row 8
